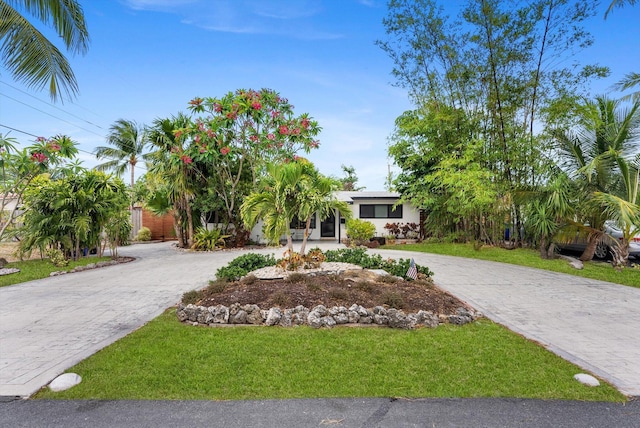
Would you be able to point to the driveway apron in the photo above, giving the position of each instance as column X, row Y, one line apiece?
column 47, row 326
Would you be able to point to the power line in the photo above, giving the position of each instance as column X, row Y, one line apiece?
column 36, row 136
column 49, row 114
column 51, row 105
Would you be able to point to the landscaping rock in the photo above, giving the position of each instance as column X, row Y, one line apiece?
column 586, row 379
column 398, row 319
column 427, row 319
column 64, row 382
column 273, row 316
column 254, row 314
column 220, row 314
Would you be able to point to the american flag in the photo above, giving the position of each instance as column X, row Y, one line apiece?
column 413, row 270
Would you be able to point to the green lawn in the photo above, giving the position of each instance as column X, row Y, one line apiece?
column 527, row 257
column 169, row 360
column 37, row 269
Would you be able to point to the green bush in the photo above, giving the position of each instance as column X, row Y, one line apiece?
column 244, row 264
column 191, row 297
column 359, row 256
column 144, row 234
column 360, row 231
column 57, row 258
column 208, row 240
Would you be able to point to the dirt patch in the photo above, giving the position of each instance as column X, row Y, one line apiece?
column 331, row 290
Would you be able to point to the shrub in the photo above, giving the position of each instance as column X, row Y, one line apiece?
column 144, row 234
column 240, row 266
column 216, row 286
column 359, row 256
column 393, row 300
column 56, row 257
column 360, row 231
column 208, row 240
column 191, row 297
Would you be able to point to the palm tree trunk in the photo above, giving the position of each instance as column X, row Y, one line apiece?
column 590, row 249
column 305, row 237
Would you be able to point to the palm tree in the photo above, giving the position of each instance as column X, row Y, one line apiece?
column 617, row 3
column 599, row 156
column 177, row 179
column 29, row 56
column 277, row 201
column 318, row 196
column 128, row 142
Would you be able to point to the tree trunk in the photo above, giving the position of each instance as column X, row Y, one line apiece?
column 590, row 249
column 543, row 248
column 303, row 247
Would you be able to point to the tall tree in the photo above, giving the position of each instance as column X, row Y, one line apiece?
column 127, row 146
column 234, row 139
column 173, row 176
column 29, row 56
column 499, row 64
column 350, row 179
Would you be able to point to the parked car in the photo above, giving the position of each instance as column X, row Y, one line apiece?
column 603, row 251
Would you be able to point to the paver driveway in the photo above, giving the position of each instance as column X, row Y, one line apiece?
column 46, row 326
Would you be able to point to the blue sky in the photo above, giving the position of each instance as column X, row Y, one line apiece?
column 148, row 58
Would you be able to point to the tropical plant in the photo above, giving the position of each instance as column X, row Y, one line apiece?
column 208, row 239
column 600, row 156
column 71, row 212
column 18, row 168
column 172, row 178
column 29, row 56
column 127, row 145
column 277, row 201
column 237, row 136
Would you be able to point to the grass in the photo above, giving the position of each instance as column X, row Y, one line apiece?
column 531, row 258
column 38, row 269
column 169, row 360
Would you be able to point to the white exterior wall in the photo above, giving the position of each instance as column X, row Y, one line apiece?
column 409, row 215
column 355, row 199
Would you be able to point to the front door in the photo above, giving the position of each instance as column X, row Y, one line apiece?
column 328, row 227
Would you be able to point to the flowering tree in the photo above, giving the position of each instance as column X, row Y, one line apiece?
column 18, row 168
column 235, row 137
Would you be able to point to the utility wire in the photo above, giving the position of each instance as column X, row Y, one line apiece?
column 36, row 136
column 49, row 114
column 51, row 105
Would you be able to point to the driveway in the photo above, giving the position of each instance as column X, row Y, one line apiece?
column 47, row 326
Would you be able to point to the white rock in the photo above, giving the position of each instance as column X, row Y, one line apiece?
column 65, row 381
column 586, row 379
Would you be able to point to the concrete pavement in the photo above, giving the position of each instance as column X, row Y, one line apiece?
column 46, row 326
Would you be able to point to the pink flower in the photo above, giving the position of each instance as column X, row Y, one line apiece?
column 225, row 150
column 196, row 101
column 304, row 123
column 38, row 157
column 210, row 133
column 178, row 133
column 174, row 149
column 295, row 131
column 186, row 159
column 284, row 129
column 198, row 138
column 254, row 138
column 314, row 144
column 256, row 105
column 232, row 115
column 275, row 114
column 54, row 147
column 217, row 107
column 271, row 136
column 40, row 139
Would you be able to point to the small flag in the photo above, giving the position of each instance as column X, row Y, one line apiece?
column 413, row 270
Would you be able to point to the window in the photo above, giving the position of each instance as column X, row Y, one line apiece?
column 298, row 224
column 380, row 211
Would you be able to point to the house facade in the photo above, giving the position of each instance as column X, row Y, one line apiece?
column 377, row 207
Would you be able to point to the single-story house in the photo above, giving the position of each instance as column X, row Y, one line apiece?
column 377, row 207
